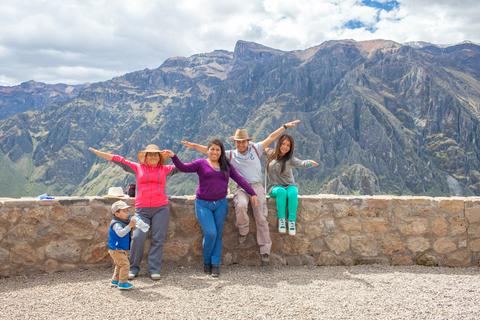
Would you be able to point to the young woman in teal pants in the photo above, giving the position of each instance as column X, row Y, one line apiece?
column 281, row 183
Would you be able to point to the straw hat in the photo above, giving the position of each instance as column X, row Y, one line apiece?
column 241, row 134
column 116, row 193
column 150, row 148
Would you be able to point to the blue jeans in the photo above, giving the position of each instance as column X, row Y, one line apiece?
column 211, row 216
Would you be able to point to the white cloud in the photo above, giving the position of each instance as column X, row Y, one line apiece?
column 89, row 40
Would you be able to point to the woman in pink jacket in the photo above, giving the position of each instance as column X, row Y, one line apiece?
column 151, row 204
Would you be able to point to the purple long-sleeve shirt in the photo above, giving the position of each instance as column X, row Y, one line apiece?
column 213, row 184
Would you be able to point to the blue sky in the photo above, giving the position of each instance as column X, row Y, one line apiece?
column 379, row 6
column 80, row 41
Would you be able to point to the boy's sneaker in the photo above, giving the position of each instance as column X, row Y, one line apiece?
column 155, row 276
column 114, row 283
column 282, row 226
column 291, row 228
column 125, row 286
column 131, row 275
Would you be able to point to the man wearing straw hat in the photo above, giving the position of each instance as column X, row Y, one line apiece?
column 246, row 158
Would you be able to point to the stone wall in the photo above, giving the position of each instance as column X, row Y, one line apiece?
column 70, row 233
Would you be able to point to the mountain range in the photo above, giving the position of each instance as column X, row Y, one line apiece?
column 379, row 117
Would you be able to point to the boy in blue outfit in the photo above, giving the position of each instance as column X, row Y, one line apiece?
column 119, row 244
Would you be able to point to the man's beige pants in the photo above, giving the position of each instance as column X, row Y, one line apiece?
column 260, row 213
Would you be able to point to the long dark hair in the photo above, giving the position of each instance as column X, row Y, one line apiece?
column 224, row 163
column 276, row 154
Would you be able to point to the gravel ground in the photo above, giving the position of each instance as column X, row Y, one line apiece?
column 360, row 292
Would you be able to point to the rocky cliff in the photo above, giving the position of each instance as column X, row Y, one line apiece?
column 380, row 117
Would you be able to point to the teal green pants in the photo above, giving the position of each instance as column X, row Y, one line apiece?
column 283, row 196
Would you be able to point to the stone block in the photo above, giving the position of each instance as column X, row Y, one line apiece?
column 313, row 209
column 329, row 225
column 11, row 215
column 402, row 260
column 22, row 232
column 74, row 202
column 365, row 246
column 294, row 260
column 473, row 214
column 338, row 243
column 371, row 260
column 4, row 256
column 350, row 225
column 460, row 258
column 393, row 244
column 188, row 224
column 341, row 209
column 444, row 245
column 48, row 203
column 418, row 244
column 314, row 229
column 228, row 259
column 75, row 211
column 382, row 203
column 294, row 246
column 20, row 203
column 22, row 253
column 68, row 267
column 457, row 225
column 175, row 250
column 95, row 253
column 401, row 211
column 78, row 228
column 64, row 250
column 413, row 226
column 427, row 260
column 50, row 266
column 474, row 231
column 317, row 245
column 451, row 206
column 475, row 245
column 277, row 260
column 197, row 247
column 375, row 226
column 440, row 226
column 3, row 232
column 327, row 259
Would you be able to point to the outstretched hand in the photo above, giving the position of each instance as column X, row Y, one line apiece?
column 92, row 149
column 167, row 153
column 292, row 124
column 187, row 144
column 312, row 163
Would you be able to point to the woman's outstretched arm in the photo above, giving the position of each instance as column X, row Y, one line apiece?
column 116, row 159
column 275, row 134
column 196, row 146
column 101, row 154
column 183, row 167
column 297, row 163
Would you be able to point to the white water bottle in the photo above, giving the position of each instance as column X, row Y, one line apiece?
column 140, row 224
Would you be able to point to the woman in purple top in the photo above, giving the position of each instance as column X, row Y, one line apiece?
column 211, row 205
